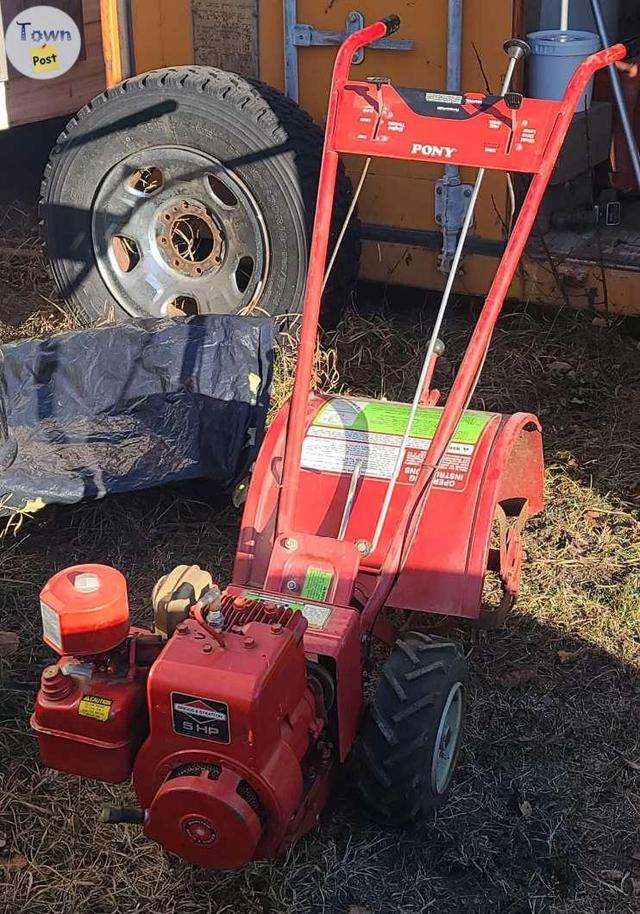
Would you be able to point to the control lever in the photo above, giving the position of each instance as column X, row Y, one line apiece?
column 516, row 49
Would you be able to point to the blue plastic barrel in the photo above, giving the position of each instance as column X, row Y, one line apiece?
column 554, row 58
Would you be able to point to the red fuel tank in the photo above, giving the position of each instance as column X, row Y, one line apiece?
column 89, row 723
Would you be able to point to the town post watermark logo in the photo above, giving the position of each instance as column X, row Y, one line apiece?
column 42, row 42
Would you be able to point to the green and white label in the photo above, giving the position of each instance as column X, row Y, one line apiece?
column 317, row 583
column 369, row 432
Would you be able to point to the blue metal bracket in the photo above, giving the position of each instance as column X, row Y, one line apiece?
column 299, row 35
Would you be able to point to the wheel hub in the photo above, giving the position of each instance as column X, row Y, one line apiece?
column 176, row 232
column 447, row 739
column 188, row 239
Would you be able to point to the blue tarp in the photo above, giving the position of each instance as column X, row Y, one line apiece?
column 131, row 406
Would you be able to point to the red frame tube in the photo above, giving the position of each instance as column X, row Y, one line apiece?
column 315, row 278
column 474, row 357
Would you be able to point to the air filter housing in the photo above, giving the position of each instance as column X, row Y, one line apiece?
column 85, row 610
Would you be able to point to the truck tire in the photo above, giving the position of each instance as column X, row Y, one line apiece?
column 411, row 734
column 185, row 190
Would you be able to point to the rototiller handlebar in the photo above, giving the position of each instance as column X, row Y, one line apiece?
column 375, row 119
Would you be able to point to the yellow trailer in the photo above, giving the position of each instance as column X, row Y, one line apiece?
column 409, row 215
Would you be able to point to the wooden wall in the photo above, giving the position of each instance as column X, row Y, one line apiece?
column 162, row 32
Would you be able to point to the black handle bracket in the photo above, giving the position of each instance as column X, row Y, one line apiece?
column 392, row 23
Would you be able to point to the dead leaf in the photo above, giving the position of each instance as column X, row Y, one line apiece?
column 562, row 367
column 358, row 909
column 9, row 642
column 525, row 808
column 593, row 518
column 635, row 766
column 3, row 840
column 636, row 854
column 570, row 656
column 517, row 678
column 14, row 862
column 636, row 886
column 612, row 874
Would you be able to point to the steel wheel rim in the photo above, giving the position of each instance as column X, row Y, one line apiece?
column 175, row 232
column 447, row 740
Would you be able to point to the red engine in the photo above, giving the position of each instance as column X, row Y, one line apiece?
column 224, row 725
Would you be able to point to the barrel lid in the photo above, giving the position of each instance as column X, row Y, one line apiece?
column 563, row 43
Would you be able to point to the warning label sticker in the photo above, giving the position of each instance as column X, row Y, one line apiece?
column 96, row 707
column 317, row 583
column 346, row 433
column 51, row 626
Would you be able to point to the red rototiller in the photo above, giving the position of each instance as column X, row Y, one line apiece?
column 235, row 713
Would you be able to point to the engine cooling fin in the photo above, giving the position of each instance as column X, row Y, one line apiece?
column 240, row 611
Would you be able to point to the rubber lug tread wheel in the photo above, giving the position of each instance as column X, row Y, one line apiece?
column 397, row 744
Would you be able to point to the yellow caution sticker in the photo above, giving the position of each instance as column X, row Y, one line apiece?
column 44, row 58
column 94, row 706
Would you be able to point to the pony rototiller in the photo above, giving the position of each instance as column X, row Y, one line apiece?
column 236, row 711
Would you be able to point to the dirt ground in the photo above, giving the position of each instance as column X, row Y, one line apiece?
column 544, row 814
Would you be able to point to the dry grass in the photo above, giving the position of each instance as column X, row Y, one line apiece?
column 544, row 814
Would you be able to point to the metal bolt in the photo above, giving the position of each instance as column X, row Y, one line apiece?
column 290, row 543
column 291, row 585
column 249, row 642
column 207, row 648
column 276, row 628
column 239, row 603
column 467, row 192
column 50, row 672
column 216, row 618
column 363, row 547
column 182, row 629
